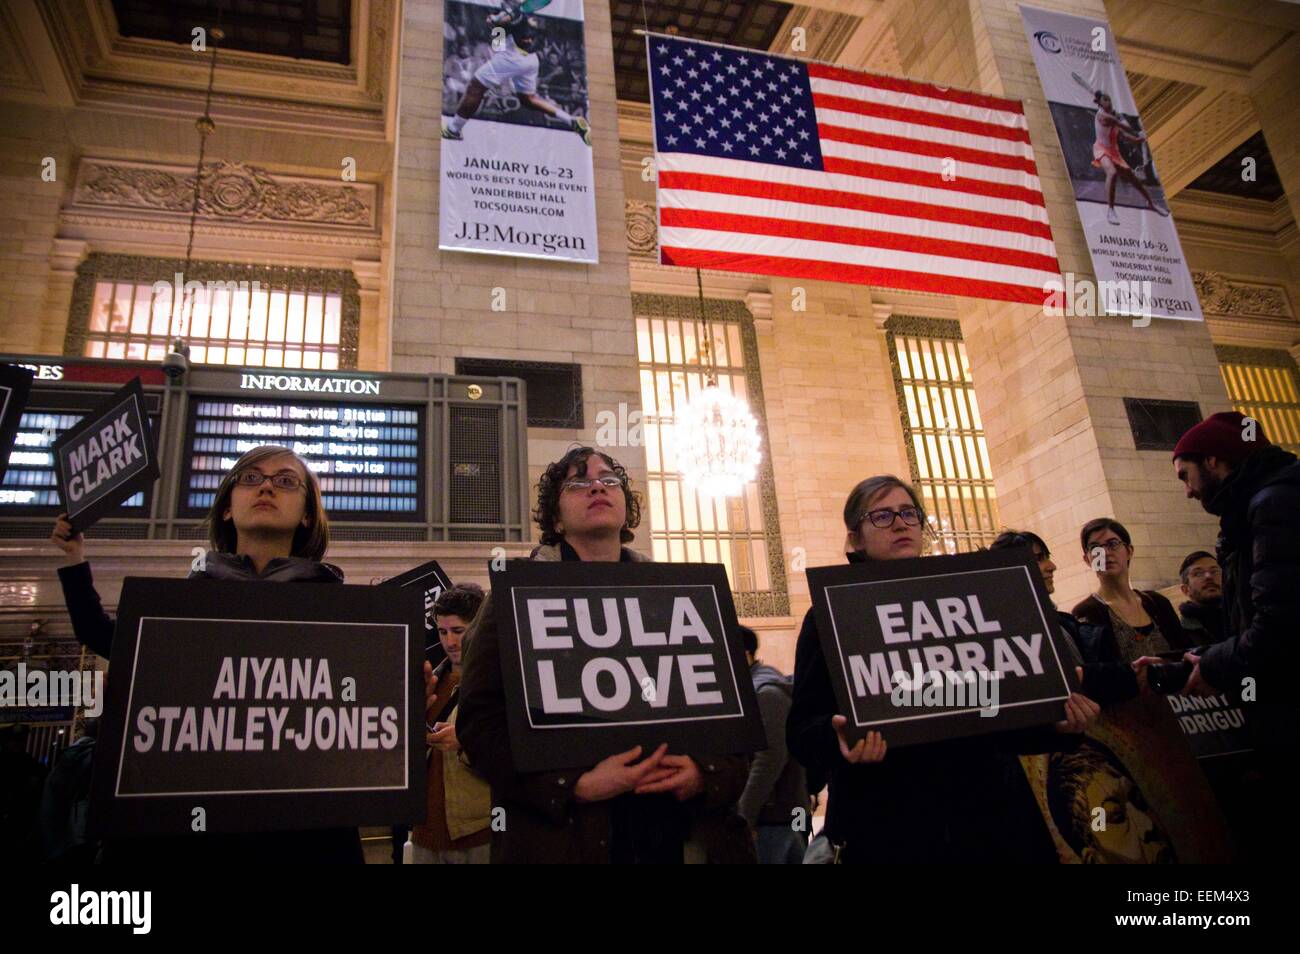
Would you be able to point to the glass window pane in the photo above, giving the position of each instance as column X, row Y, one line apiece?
column 257, row 316
column 102, row 306
column 673, row 330
column 140, row 310
column 198, row 313
column 643, row 351
column 297, row 310
column 333, row 319
column 658, row 341
column 219, row 322
column 315, row 319
column 161, row 325
column 276, row 314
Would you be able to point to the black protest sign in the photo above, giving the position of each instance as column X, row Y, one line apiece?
column 431, row 582
column 15, row 386
column 600, row 657
column 1212, row 725
column 109, row 456
column 267, row 705
column 942, row 647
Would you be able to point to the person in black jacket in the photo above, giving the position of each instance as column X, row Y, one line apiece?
column 267, row 522
column 1107, row 678
column 1253, row 487
column 1138, row 624
column 955, row 801
column 633, row 807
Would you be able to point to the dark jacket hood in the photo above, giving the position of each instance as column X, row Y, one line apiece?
column 230, row 566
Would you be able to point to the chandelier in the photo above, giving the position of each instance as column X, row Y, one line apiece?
column 716, row 436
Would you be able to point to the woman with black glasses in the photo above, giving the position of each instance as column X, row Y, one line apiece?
column 957, row 801
column 1137, row 624
column 267, row 522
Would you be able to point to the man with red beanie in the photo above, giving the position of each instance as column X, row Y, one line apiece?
column 1253, row 487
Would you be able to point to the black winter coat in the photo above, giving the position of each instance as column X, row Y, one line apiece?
column 94, row 629
column 1259, row 550
column 962, row 801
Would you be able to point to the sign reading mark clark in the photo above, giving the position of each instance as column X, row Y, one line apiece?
column 106, row 458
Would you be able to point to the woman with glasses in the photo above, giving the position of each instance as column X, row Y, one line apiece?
column 267, row 522
column 1138, row 624
column 956, row 801
column 635, row 807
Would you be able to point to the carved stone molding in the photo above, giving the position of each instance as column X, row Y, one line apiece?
column 229, row 191
column 1221, row 295
column 642, row 234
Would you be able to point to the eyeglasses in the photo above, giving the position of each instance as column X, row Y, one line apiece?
column 585, row 483
column 883, row 518
column 255, row 478
column 1112, row 545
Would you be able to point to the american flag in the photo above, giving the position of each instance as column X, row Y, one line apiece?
column 780, row 167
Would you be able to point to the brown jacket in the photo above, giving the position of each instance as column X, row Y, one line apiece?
column 543, row 823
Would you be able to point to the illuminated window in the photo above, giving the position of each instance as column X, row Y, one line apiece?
column 944, row 432
column 259, row 316
column 1262, row 384
column 686, row 527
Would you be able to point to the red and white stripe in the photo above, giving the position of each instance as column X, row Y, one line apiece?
column 882, row 213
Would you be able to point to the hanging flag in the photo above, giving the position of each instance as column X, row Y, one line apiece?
column 780, row 167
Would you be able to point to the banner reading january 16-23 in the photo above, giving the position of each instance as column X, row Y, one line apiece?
column 516, row 144
column 1136, row 255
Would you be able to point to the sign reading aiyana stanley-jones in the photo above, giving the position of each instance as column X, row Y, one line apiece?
column 942, row 647
column 1134, row 246
column 107, row 457
column 600, row 657
column 431, row 582
column 516, row 147
column 267, row 705
column 15, row 386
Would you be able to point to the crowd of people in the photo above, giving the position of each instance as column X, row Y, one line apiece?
column 955, row 800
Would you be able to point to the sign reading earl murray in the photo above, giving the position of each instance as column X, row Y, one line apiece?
column 600, row 657
column 268, row 705
column 516, row 142
column 942, row 647
column 15, row 386
column 431, row 582
column 110, row 455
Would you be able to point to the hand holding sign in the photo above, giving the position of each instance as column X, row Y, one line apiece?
column 677, row 775
column 1080, row 711
column 72, row 544
column 617, row 775
column 870, row 748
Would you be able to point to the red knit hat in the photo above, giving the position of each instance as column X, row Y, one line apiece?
column 1223, row 435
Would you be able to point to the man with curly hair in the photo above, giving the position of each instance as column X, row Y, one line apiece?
column 634, row 807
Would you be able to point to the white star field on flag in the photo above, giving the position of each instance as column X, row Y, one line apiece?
column 736, row 104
